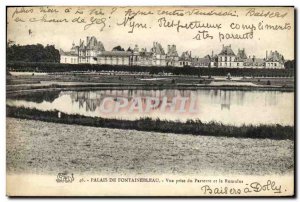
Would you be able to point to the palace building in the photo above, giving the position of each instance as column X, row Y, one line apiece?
column 228, row 59
column 92, row 51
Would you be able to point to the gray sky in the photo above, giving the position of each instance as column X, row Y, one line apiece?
column 62, row 34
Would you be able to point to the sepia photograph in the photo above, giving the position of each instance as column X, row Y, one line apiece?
column 150, row 101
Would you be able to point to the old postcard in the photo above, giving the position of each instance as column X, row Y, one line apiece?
column 150, row 101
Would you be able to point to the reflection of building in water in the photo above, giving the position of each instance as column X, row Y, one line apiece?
column 240, row 97
column 91, row 100
column 225, row 97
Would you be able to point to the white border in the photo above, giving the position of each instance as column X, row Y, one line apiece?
column 3, row 5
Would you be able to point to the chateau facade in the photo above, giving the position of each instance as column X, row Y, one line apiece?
column 228, row 59
column 92, row 51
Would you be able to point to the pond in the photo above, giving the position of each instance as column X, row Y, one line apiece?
column 230, row 107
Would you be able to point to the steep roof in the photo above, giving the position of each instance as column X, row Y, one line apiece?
column 275, row 57
column 241, row 55
column 255, row 61
column 200, row 61
column 227, row 51
column 91, row 44
column 172, row 52
column 186, row 56
column 157, row 49
column 67, row 53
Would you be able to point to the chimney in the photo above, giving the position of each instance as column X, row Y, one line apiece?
column 212, row 53
column 266, row 54
column 190, row 53
column 87, row 40
column 174, row 47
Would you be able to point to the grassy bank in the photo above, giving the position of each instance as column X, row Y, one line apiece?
column 190, row 127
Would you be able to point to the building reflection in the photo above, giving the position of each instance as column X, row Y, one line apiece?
column 91, row 100
column 225, row 97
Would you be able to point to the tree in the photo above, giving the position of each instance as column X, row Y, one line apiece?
column 290, row 64
column 118, row 48
column 32, row 53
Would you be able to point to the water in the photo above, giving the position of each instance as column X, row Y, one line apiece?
column 227, row 107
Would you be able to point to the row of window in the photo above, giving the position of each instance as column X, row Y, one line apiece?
column 184, row 63
column 73, row 60
column 225, row 59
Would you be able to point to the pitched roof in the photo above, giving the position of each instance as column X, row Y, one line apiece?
column 201, row 61
column 91, row 44
column 274, row 57
column 70, row 53
column 172, row 52
column 227, row 51
column 255, row 61
column 157, row 49
column 186, row 56
column 241, row 55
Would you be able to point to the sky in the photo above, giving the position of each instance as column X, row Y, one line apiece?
column 22, row 30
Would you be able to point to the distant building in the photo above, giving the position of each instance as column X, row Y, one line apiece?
column 88, row 52
column 92, row 51
column 185, row 59
column 70, row 57
column 274, row 60
column 159, row 55
column 240, row 58
column 145, row 58
column 226, row 58
column 201, row 62
column 114, row 58
column 172, row 58
column 155, row 57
